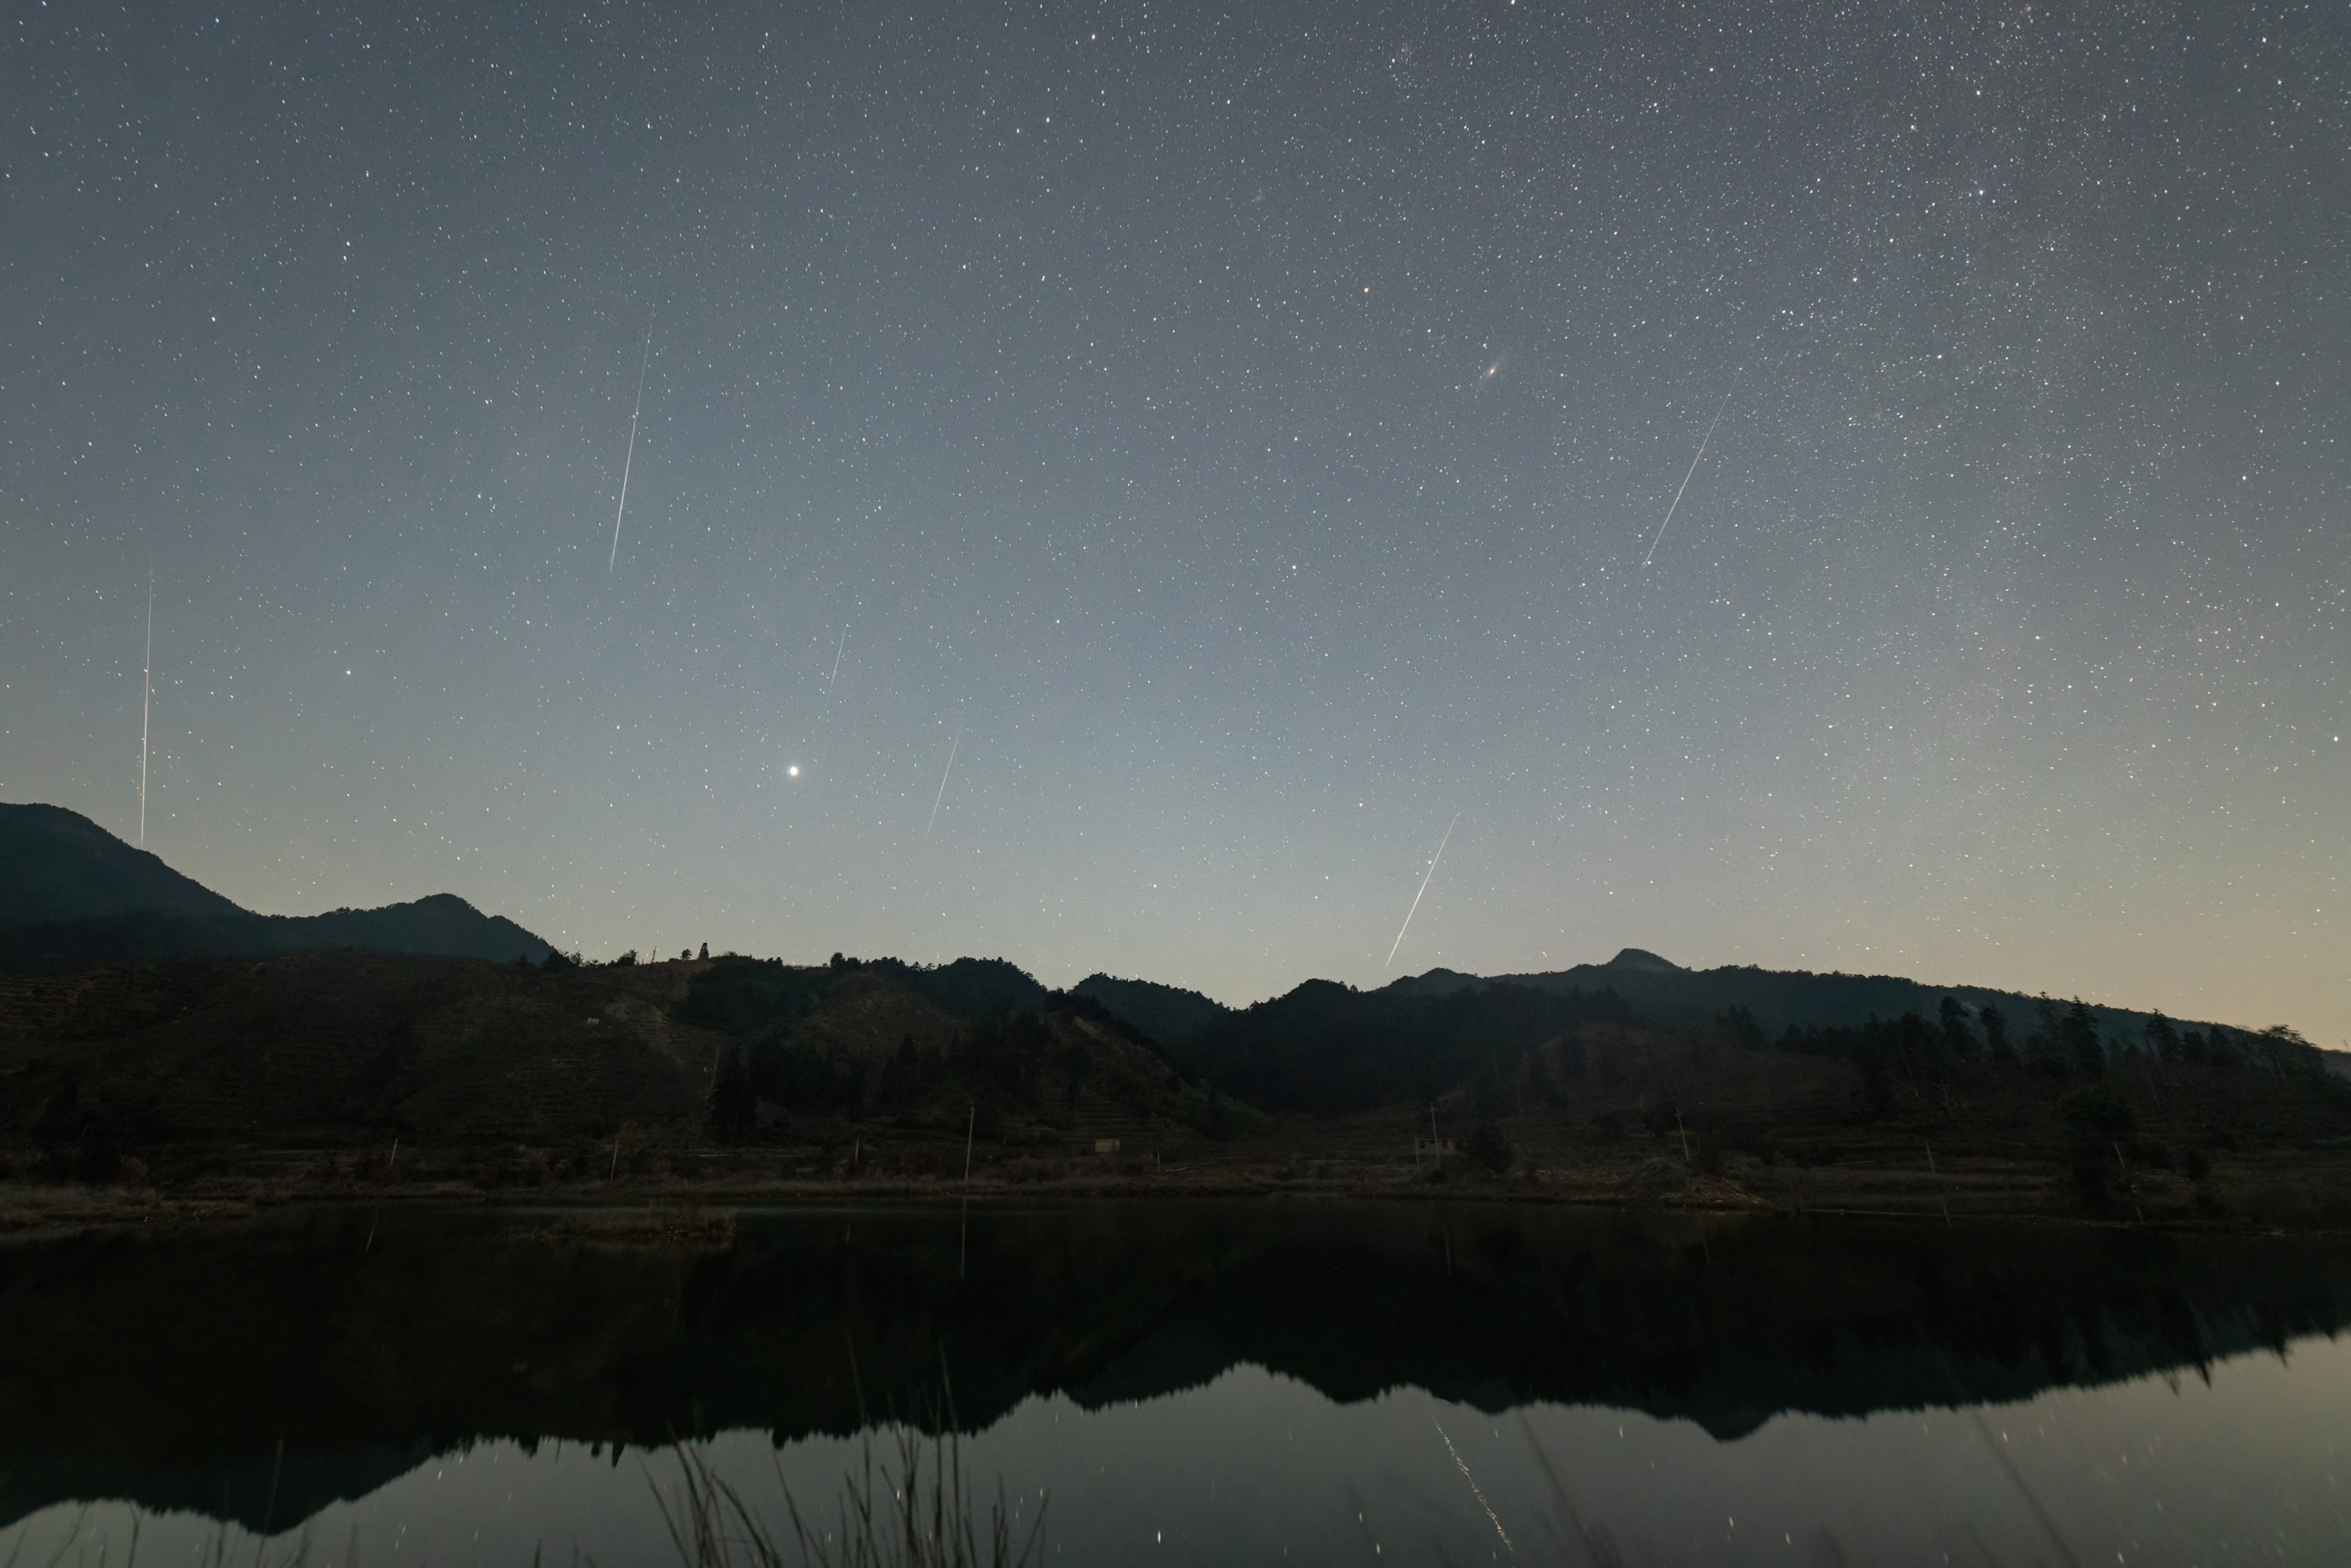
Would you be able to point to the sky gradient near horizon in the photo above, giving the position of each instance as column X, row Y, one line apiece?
column 1152, row 469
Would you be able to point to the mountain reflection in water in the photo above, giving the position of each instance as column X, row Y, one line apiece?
column 262, row 1373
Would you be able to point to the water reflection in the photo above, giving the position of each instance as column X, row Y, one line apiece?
column 1215, row 1382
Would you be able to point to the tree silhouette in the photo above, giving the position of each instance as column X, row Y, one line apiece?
column 2078, row 1036
column 1995, row 1032
column 1958, row 1040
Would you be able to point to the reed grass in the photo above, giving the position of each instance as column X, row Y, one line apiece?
column 922, row 1515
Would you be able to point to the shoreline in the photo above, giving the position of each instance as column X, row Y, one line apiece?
column 2252, row 1200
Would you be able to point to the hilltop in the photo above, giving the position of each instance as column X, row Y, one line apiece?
column 72, row 895
column 1163, row 1012
column 58, row 865
column 1665, row 993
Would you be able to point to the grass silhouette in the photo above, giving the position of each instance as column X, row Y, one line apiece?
column 919, row 1514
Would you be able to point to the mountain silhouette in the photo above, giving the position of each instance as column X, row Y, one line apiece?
column 1163, row 1012
column 72, row 895
column 57, row 864
column 1667, row 996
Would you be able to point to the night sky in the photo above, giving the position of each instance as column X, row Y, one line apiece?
column 1235, row 435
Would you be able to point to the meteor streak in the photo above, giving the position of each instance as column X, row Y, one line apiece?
column 836, row 662
column 1424, row 887
column 642, row 360
column 1476, row 1490
column 1686, row 476
column 942, row 780
column 146, row 693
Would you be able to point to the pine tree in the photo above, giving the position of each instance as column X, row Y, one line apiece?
column 2078, row 1033
column 1958, row 1040
column 1995, row 1029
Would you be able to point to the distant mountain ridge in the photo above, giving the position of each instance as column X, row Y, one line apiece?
column 1664, row 994
column 72, row 895
column 1652, row 988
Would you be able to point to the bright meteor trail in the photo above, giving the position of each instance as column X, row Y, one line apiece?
column 1686, row 476
column 146, row 696
column 942, row 780
column 1424, row 888
column 642, row 360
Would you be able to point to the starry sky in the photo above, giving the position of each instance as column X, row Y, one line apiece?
column 1153, row 470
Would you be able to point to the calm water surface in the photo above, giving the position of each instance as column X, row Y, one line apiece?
column 1188, row 1382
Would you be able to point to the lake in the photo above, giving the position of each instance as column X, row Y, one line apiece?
column 1183, row 1382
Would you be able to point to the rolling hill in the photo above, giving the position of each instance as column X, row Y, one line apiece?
column 344, row 1049
column 347, row 1050
column 1163, row 1012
